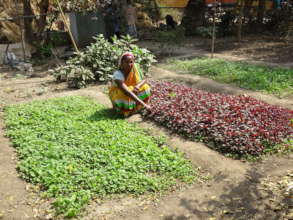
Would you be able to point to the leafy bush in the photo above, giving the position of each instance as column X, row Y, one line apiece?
column 231, row 124
column 75, row 149
column 101, row 59
column 44, row 51
column 206, row 31
column 76, row 76
column 173, row 36
column 273, row 80
column 58, row 38
column 80, row 5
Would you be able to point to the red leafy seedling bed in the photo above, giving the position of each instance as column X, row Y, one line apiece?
column 231, row 124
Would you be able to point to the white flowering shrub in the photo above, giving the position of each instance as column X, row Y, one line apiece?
column 98, row 62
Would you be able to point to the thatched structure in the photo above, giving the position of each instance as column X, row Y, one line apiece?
column 10, row 29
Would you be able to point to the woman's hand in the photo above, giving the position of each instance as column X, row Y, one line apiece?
column 136, row 89
column 148, row 107
column 131, row 94
column 138, row 86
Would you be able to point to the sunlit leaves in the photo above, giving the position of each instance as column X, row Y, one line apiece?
column 100, row 60
column 278, row 81
column 75, row 149
column 231, row 124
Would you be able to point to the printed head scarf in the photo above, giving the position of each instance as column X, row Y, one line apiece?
column 126, row 54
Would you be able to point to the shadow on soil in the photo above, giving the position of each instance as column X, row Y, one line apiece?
column 240, row 201
column 105, row 114
column 206, row 85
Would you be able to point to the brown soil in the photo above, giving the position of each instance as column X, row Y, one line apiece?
column 232, row 189
column 256, row 49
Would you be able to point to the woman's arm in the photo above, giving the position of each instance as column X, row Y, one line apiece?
column 139, row 85
column 129, row 93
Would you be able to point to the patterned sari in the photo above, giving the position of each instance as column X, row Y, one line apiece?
column 125, row 104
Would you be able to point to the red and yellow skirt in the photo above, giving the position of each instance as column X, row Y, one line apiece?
column 126, row 105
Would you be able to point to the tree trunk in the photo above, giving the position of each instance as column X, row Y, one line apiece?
column 41, row 21
column 35, row 27
column 261, row 11
column 193, row 16
column 27, row 10
column 247, row 10
column 240, row 21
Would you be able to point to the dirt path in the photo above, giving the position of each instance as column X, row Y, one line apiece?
column 234, row 189
column 12, row 189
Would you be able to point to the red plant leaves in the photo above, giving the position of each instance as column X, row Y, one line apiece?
column 235, row 124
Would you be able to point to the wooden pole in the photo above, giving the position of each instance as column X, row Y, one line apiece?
column 21, row 33
column 67, row 26
column 214, row 29
column 239, row 29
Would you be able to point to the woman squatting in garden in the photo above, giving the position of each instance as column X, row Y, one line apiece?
column 129, row 92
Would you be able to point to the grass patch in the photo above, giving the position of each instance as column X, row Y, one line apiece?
column 76, row 149
column 278, row 81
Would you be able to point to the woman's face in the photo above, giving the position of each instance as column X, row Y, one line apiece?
column 127, row 63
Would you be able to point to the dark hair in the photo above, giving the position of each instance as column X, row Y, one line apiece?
column 170, row 21
column 126, row 55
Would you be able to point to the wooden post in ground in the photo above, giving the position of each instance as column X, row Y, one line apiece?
column 213, row 35
column 67, row 26
column 240, row 20
column 21, row 33
column 214, row 8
